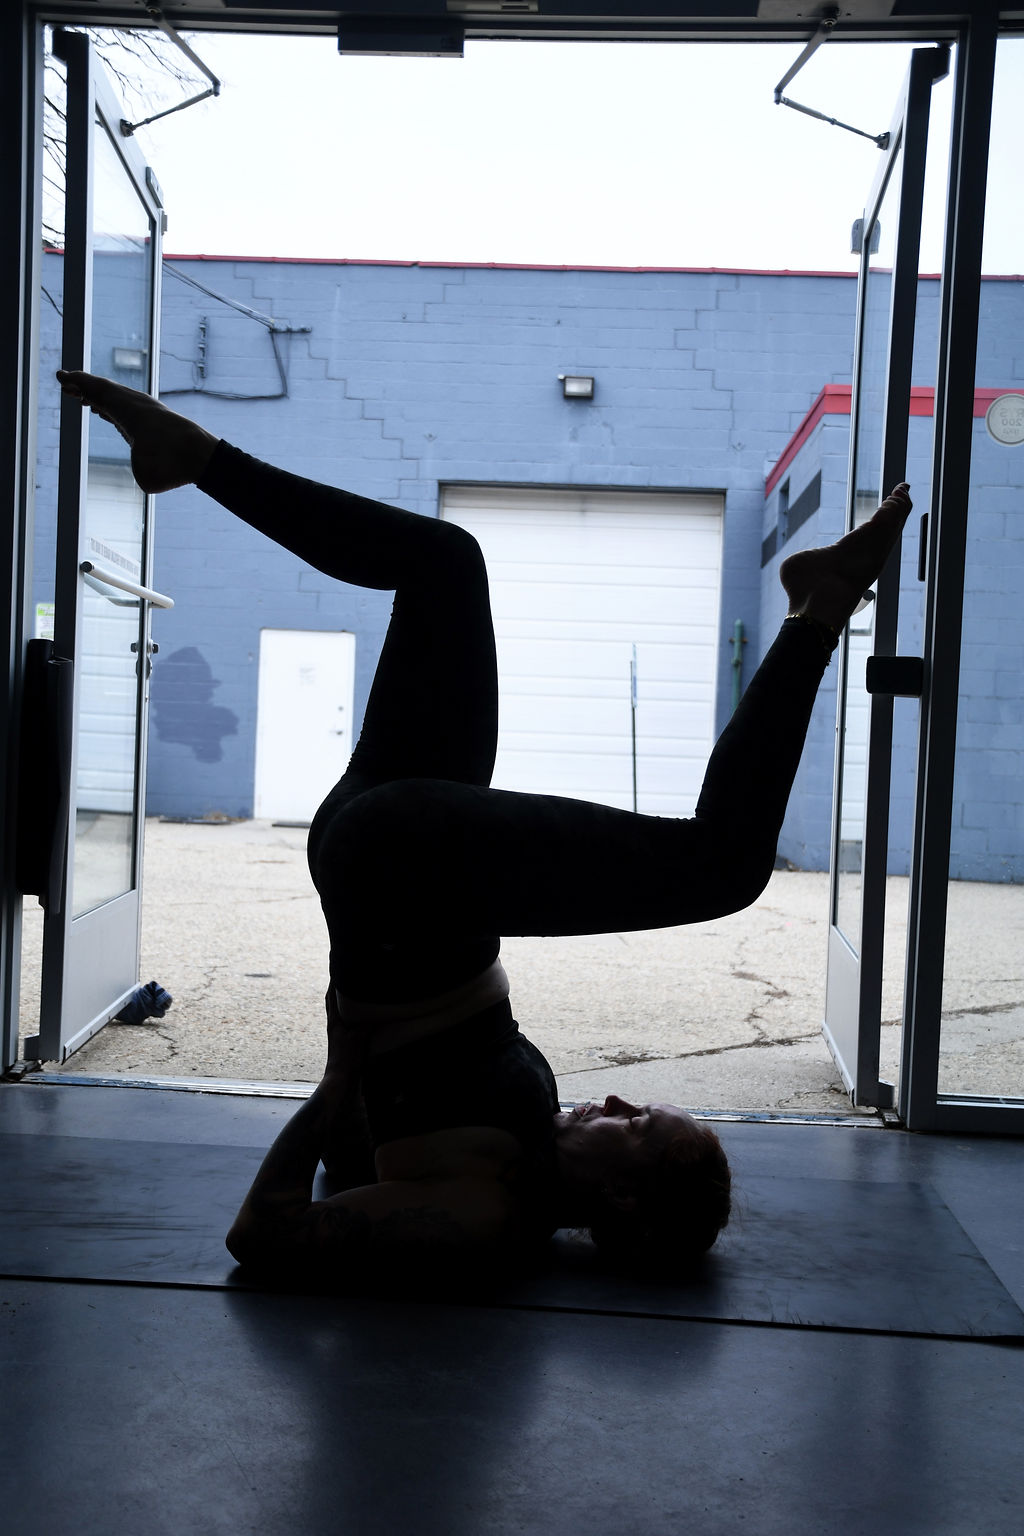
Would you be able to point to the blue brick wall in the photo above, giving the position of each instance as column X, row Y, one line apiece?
column 806, row 837
column 412, row 377
column 409, row 377
column 988, row 807
column 987, row 834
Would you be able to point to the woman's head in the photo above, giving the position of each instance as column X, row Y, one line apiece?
column 650, row 1181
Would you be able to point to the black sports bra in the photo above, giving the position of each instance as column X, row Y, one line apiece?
column 482, row 1071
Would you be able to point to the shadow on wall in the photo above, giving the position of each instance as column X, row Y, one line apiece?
column 182, row 708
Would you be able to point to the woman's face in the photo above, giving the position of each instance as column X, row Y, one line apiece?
column 595, row 1142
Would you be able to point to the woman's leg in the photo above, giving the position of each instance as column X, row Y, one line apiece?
column 433, row 707
column 428, row 858
column 433, row 855
column 432, row 710
column 477, row 861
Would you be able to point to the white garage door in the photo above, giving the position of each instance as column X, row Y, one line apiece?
column 578, row 578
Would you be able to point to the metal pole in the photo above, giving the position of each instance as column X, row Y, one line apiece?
column 738, row 643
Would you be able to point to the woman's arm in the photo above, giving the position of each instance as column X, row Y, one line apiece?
column 376, row 1231
column 346, row 1146
column 282, row 1189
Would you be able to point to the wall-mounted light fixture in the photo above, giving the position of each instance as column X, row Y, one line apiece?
column 131, row 359
column 577, row 386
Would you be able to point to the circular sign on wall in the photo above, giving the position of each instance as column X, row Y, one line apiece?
column 1005, row 420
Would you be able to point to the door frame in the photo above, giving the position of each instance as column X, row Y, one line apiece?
column 853, row 994
column 90, row 963
column 20, row 73
column 920, row 1104
column 21, row 97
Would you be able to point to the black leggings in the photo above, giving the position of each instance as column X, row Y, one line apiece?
column 418, row 864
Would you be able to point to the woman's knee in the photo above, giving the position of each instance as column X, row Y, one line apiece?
column 735, row 868
column 750, row 866
column 457, row 542
column 462, row 553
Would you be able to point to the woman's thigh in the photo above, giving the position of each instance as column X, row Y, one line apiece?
column 439, row 861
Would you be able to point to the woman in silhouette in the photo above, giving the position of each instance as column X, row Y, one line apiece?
column 437, row 1121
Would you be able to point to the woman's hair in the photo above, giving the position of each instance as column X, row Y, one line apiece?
column 682, row 1205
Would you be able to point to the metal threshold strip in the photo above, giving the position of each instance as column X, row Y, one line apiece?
column 261, row 1090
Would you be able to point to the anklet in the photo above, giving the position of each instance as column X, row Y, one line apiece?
column 828, row 636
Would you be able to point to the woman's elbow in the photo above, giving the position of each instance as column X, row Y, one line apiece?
column 249, row 1243
column 238, row 1245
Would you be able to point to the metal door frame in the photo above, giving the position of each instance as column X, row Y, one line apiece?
column 20, row 64
column 106, row 931
column 21, row 95
column 853, row 1006
column 920, row 1104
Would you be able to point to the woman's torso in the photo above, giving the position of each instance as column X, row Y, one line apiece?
column 389, row 1026
column 460, row 1064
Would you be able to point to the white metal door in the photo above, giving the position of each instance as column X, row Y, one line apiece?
column 580, row 582
column 303, row 719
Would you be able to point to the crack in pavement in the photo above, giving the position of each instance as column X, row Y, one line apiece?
column 754, row 1018
column 961, row 1013
column 624, row 1059
column 967, row 1012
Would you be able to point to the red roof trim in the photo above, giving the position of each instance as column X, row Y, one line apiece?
column 983, row 397
column 541, row 266
column 502, row 266
column 836, row 400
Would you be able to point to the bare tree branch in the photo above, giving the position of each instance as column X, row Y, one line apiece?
column 149, row 72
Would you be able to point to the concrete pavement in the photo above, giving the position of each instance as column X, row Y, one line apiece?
column 720, row 1015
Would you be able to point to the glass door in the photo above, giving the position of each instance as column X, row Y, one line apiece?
column 963, row 1067
column 101, row 618
column 884, row 345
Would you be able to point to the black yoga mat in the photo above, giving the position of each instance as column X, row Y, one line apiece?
column 802, row 1252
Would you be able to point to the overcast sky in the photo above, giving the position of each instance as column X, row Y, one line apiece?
column 606, row 154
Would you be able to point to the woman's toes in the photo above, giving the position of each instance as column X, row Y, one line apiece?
column 829, row 584
column 168, row 450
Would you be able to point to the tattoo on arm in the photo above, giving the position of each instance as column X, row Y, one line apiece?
column 336, row 1242
column 330, row 1232
column 336, row 1233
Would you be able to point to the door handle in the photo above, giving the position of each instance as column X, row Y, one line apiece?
column 902, row 676
column 152, row 647
column 123, row 584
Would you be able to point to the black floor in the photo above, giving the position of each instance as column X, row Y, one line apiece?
column 851, row 1362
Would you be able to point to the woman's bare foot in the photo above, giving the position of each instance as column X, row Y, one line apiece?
column 168, row 450
column 828, row 584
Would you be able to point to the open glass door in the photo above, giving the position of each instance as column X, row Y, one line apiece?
column 962, row 1067
column 104, row 537
column 886, row 309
